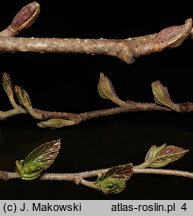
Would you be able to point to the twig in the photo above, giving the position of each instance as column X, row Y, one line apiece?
column 126, row 49
column 77, row 177
column 61, row 176
column 164, row 172
column 109, row 180
column 156, row 157
column 78, row 118
column 59, row 119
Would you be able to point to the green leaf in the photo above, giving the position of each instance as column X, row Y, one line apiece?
column 22, row 96
column 114, row 180
column 38, row 160
column 160, row 156
column 162, row 97
column 7, row 84
column 8, row 87
column 105, row 87
column 25, row 101
column 107, row 91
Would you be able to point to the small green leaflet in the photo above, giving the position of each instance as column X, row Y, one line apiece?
column 107, row 91
column 114, row 180
column 161, row 156
column 162, row 96
column 38, row 160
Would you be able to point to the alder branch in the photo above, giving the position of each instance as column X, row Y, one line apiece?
column 5, row 175
column 125, row 49
column 79, row 178
column 109, row 180
column 52, row 119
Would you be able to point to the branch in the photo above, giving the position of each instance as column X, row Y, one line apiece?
column 79, row 178
column 124, row 49
column 51, row 119
column 109, row 180
column 75, row 177
column 164, row 172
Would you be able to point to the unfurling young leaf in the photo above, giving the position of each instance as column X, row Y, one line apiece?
column 8, row 87
column 38, row 160
column 162, row 97
column 22, row 96
column 7, row 84
column 158, row 157
column 25, row 101
column 114, row 180
column 105, row 87
column 106, row 90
